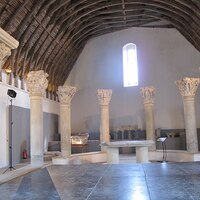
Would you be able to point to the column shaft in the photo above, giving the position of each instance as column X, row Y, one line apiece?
column 36, row 129
column 104, row 97
column 187, row 87
column 65, row 129
column 190, row 124
column 149, row 117
column 104, row 131
column 37, row 83
column 148, row 94
column 65, row 94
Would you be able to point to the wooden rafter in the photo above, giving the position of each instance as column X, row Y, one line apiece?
column 52, row 33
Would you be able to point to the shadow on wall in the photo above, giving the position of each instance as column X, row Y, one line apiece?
column 173, row 118
column 50, row 128
column 176, row 139
column 136, row 121
column 93, row 123
column 21, row 131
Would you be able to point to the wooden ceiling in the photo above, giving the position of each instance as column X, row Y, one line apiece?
column 52, row 33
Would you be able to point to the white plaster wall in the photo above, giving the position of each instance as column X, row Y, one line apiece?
column 51, row 106
column 21, row 100
column 164, row 56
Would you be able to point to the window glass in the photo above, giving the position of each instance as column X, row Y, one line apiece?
column 130, row 68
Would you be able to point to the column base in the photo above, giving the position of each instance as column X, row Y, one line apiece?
column 37, row 160
column 65, row 154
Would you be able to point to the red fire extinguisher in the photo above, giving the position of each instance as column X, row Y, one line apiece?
column 25, row 155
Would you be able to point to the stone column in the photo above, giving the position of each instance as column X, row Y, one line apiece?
column 104, row 97
column 36, row 83
column 148, row 94
column 65, row 94
column 7, row 42
column 187, row 87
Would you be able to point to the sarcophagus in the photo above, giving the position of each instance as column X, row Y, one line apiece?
column 81, row 138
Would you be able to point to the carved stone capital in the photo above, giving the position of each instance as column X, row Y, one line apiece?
column 148, row 94
column 104, row 96
column 37, row 83
column 5, row 51
column 8, row 40
column 187, row 86
column 66, row 93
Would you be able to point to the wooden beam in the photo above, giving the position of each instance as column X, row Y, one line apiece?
column 14, row 15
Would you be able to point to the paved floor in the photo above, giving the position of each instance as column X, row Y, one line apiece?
column 154, row 181
column 7, row 174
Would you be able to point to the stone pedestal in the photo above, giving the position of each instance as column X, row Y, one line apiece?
column 104, row 97
column 65, row 94
column 7, row 42
column 141, row 146
column 142, row 155
column 148, row 94
column 37, row 84
column 187, row 88
column 113, row 155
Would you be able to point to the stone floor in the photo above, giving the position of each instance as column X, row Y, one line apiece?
column 153, row 181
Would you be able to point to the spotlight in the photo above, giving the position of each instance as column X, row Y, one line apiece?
column 11, row 93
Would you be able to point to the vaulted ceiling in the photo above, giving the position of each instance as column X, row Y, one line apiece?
column 52, row 33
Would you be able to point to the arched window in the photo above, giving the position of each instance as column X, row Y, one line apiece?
column 130, row 68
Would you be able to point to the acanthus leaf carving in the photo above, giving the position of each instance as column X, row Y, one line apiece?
column 66, row 93
column 37, row 83
column 104, row 96
column 188, row 86
column 5, row 51
column 148, row 94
